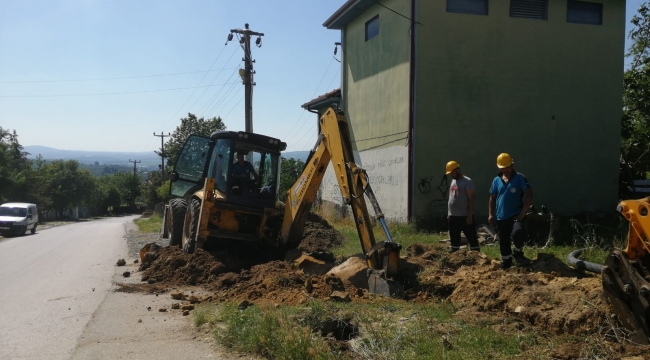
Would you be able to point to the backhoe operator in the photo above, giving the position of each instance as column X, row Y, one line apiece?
column 242, row 171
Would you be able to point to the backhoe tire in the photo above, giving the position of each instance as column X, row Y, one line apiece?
column 191, row 226
column 34, row 229
column 178, row 208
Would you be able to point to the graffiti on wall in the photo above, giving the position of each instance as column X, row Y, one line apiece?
column 387, row 174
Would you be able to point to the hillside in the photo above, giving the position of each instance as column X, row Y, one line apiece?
column 148, row 159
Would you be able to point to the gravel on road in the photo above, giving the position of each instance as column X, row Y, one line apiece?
column 138, row 240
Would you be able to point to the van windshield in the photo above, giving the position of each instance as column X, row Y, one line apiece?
column 13, row 211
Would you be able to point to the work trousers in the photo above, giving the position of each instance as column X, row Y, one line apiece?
column 508, row 229
column 458, row 224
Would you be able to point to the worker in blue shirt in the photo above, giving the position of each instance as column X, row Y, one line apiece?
column 510, row 198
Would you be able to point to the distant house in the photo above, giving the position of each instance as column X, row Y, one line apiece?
column 425, row 82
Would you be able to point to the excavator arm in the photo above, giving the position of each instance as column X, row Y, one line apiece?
column 626, row 273
column 334, row 145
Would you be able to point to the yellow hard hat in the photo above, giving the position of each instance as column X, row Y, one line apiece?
column 504, row 160
column 451, row 166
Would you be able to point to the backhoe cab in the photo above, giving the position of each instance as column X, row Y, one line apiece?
column 227, row 196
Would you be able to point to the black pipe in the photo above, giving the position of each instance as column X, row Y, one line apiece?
column 572, row 258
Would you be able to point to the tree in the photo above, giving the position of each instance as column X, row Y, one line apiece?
column 635, row 124
column 128, row 187
column 151, row 192
column 189, row 125
column 13, row 167
column 290, row 170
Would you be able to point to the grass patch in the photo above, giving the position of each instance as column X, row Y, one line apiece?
column 270, row 332
column 149, row 225
column 405, row 234
column 204, row 314
column 385, row 329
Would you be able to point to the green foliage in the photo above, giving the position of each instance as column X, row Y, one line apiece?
column 163, row 191
column 152, row 189
column 189, row 125
column 290, row 170
column 635, row 124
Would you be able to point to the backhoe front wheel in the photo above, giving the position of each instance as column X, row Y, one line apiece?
column 177, row 210
column 191, row 228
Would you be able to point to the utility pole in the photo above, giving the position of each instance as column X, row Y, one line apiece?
column 134, row 162
column 162, row 137
column 245, row 42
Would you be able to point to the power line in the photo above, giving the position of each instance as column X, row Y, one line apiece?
column 383, row 136
column 105, row 79
column 213, row 80
column 209, row 103
column 192, row 94
column 240, row 99
column 108, row 93
column 312, row 96
column 225, row 104
column 404, row 16
column 303, row 124
column 213, row 108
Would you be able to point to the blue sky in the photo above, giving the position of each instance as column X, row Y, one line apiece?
column 96, row 75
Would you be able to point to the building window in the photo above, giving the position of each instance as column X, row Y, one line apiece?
column 582, row 12
column 530, row 9
column 475, row 7
column 372, row 28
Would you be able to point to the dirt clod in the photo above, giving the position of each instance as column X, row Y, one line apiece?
column 126, row 274
column 176, row 306
column 186, row 312
column 177, row 295
column 187, row 307
column 162, row 310
column 121, row 262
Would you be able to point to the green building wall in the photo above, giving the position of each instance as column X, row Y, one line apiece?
column 376, row 103
column 546, row 91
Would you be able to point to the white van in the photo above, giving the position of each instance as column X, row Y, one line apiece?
column 17, row 218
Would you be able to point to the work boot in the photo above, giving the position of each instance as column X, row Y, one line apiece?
column 506, row 263
column 520, row 258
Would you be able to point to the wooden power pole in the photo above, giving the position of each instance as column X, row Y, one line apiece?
column 245, row 42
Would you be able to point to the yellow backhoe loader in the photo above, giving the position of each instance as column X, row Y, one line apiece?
column 227, row 196
column 626, row 273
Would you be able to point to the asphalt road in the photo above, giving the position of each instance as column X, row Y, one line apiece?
column 57, row 299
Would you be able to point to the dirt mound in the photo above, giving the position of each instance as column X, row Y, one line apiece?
column 319, row 235
column 548, row 294
column 276, row 282
column 176, row 267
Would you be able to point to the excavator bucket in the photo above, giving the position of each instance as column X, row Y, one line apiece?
column 626, row 286
column 378, row 284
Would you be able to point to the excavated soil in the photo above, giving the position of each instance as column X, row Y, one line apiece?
column 547, row 295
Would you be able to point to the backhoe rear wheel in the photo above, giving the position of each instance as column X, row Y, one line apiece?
column 178, row 208
column 191, row 227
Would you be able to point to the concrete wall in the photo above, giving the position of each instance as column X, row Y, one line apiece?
column 388, row 172
column 546, row 91
column 376, row 103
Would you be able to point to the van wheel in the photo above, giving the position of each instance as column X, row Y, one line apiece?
column 34, row 229
column 177, row 207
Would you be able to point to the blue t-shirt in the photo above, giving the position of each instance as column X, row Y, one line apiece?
column 509, row 195
column 245, row 169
